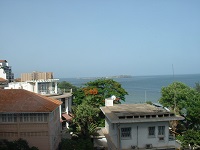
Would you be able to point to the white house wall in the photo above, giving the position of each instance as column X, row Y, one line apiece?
column 112, row 131
column 2, row 73
column 139, row 135
column 21, row 85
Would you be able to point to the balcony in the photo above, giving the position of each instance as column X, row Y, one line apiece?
column 47, row 92
column 171, row 137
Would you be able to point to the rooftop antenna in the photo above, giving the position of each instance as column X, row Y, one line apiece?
column 174, row 91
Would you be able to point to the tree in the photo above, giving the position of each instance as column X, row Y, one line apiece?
column 197, row 87
column 66, row 86
column 173, row 95
column 186, row 102
column 85, row 117
column 100, row 89
column 190, row 138
column 76, row 144
column 89, row 99
column 19, row 144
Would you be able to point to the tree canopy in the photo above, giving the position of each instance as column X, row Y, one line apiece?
column 66, row 86
column 89, row 99
column 100, row 89
column 185, row 101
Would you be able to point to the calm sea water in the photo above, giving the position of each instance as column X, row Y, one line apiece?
column 144, row 88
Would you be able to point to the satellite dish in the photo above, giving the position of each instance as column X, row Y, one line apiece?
column 113, row 97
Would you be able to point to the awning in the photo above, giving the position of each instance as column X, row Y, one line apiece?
column 67, row 117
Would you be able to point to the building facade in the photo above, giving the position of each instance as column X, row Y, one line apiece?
column 6, row 71
column 30, row 116
column 49, row 88
column 43, row 87
column 36, row 76
column 138, row 126
column 3, row 83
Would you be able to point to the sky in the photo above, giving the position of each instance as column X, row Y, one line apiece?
column 98, row 38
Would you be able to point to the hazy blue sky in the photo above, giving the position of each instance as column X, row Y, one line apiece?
column 88, row 38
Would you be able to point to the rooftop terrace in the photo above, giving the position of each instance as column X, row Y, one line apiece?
column 126, row 113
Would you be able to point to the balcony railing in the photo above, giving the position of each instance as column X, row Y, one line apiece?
column 171, row 137
column 45, row 92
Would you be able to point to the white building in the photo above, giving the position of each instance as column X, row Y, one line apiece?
column 6, row 71
column 43, row 87
column 137, row 126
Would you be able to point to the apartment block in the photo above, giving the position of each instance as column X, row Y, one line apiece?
column 36, row 76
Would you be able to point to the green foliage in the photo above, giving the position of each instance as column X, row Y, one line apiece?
column 89, row 99
column 19, row 144
column 174, row 94
column 197, row 87
column 99, row 90
column 66, row 86
column 186, row 102
column 149, row 102
column 76, row 144
column 190, row 137
column 85, row 117
column 108, row 87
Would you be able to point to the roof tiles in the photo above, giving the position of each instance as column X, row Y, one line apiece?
column 19, row 100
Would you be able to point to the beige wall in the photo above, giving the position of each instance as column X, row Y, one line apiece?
column 36, row 76
column 44, row 135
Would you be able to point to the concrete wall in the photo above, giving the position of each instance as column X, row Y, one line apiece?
column 44, row 135
column 2, row 73
column 54, row 129
column 139, row 135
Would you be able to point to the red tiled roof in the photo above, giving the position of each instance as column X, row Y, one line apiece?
column 2, row 61
column 19, row 100
column 67, row 117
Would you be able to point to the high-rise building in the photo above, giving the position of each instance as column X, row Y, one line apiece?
column 6, row 71
column 36, row 76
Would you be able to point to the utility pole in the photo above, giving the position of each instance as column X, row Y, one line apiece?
column 174, row 90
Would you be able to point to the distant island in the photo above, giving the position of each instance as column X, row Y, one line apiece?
column 120, row 76
column 108, row 77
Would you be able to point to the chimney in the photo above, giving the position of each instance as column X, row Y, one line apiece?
column 109, row 101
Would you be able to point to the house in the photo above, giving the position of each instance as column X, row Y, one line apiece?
column 137, row 126
column 30, row 116
column 41, row 86
column 43, row 83
column 6, row 71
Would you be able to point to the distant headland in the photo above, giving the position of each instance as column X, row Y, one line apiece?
column 108, row 77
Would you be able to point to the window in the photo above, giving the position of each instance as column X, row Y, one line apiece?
column 4, row 118
column 152, row 131
column 40, row 117
column 126, row 133
column 33, row 117
column 26, row 117
column 161, row 130
column 10, row 118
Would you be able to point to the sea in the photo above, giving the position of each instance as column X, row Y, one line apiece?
column 143, row 88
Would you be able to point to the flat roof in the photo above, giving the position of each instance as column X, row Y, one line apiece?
column 127, row 113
